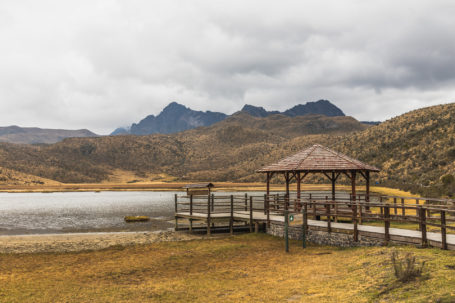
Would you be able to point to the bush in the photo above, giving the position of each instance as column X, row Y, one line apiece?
column 406, row 268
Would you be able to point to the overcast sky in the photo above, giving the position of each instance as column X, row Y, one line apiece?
column 103, row 64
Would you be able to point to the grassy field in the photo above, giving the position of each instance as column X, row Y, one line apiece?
column 244, row 268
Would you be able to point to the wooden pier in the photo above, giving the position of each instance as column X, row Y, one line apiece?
column 353, row 215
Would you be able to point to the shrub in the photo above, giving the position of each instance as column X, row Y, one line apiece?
column 406, row 268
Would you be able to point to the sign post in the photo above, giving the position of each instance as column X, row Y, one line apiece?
column 286, row 223
column 304, row 222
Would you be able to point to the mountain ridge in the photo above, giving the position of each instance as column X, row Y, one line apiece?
column 176, row 117
column 36, row 135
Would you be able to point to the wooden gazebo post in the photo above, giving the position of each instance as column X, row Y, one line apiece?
column 333, row 186
column 367, row 187
column 299, row 180
column 353, row 176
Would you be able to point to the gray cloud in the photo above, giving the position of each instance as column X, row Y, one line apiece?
column 102, row 64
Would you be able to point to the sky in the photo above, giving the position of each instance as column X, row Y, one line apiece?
column 104, row 64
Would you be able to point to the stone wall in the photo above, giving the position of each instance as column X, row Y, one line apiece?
column 322, row 237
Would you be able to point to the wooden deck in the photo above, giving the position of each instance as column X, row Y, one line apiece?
column 397, row 235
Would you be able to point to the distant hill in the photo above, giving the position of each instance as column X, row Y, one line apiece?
column 176, row 117
column 34, row 135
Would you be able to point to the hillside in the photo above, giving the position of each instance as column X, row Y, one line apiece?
column 228, row 150
column 415, row 151
column 34, row 135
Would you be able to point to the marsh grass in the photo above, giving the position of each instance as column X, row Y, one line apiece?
column 242, row 268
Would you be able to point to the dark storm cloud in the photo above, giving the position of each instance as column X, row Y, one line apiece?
column 102, row 64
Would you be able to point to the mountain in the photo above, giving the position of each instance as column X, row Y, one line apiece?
column 321, row 107
column 415, row 151
column 34, row 135
column 174, row 118
column 228, row 150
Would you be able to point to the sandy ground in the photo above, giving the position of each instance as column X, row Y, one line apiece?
column 85, row 241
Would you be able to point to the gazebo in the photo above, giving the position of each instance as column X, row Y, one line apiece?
column 319, row 159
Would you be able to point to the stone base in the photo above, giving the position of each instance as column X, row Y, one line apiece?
column 323, row 237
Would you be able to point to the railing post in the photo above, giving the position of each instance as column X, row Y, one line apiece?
column 354, row 220
column 387, row 224
column 423, row 224
column 191, row 212
column 329, row 223
column 265, row 203
column 305, row 223
column 403, row 210
column 251, row 214
column 381, row 209
column 175, row 214
column 395, row 205
column 443, row 230
column 268, row 212
column 208, row 215
column 246, row 202
column 231, row 221
column 286, row 231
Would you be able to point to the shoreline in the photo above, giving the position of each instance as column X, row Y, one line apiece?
column 77, row 242
column 177, row 186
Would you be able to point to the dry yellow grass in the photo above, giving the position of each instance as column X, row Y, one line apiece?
column 247, row 268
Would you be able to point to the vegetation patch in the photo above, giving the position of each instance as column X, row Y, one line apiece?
column 244, row 268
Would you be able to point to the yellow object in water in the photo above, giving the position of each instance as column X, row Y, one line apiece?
column 137, row 218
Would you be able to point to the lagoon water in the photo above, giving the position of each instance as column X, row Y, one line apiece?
column 31, row 213
column 36, row 213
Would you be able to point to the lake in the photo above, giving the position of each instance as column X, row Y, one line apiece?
column 37, row 213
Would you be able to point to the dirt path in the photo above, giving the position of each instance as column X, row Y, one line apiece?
column 85, row 241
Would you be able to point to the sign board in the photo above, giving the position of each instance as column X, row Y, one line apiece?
column 291, row 218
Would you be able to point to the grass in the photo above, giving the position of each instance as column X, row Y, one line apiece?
column 245, row 268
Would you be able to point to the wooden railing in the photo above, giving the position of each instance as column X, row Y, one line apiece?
column 424, row 212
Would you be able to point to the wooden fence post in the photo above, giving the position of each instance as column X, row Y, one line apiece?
column 175, row 215
column 386, row 224
column 329, row 224
column 423, row 224
column 251, row 214
column 443, row 230
column 286, row 229
column 265, row 203
column 231, row 221
column 208, row 216
column 403, row 210
column 268, row 213
column 305, row 223
column 191, row 212
column 246, row 202
column 395, row 205
column 354, row 220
